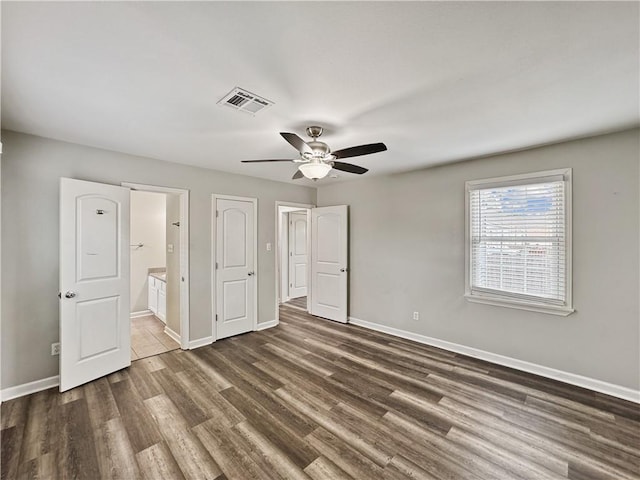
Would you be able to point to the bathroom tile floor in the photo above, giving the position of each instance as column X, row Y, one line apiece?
column 148, row 338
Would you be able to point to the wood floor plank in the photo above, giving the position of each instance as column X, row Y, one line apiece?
column 261, row 397
column 14, row 412
column 186, row 448
column 76, row 452
column 146, row 385
column 554, row 447
column 40, row 433
column 277, row 430
column 417, row 455
column 42, row 467
column 223, row 447
column 141, row 429
column 208, row 398
column 410, row 469
column 156, row 462
column 316, row 399
column 192, row 413
column 103, row 406
column 277, row 460
column 116, row 459
column 324, row 469
column 474, row 424
column 11, row 438
column 441, row 446
column 343, row 455
column 330, row 424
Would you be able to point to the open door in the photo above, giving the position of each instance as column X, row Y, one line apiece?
column 94, row 281
column 329, row 243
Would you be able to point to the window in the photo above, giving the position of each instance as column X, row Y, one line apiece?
column 519, row 241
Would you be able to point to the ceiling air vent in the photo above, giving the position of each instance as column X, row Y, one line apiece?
column 245, row 101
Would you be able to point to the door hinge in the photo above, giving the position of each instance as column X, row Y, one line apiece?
column 291, row 223
column 291, row 285
column 216, row 317
column 291, row 254
column 216, row 265
column 217, row 212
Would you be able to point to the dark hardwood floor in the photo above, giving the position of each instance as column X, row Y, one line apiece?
column 300, row 302
column 321, row 400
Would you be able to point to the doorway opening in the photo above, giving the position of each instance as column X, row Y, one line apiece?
column 158, row 270
column 292, row 256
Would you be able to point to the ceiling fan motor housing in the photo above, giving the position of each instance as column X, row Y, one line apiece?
column 320, row 149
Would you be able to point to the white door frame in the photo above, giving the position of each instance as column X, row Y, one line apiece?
column 214, row 199
column 184, row 252
column 278, row 258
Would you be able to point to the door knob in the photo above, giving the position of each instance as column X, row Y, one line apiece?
column 343, row 269
column 251, row 274
column 69, row 294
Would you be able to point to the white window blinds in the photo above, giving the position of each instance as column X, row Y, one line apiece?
column 518, row 239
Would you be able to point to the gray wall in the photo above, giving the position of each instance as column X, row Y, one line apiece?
column 32, row 167
column 407, row 254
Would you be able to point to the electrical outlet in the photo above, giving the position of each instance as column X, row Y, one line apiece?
column 55, row 349
column 416, row 315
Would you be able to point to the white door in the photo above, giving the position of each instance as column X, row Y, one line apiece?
column 94, row 281
column 297, row 254
column 329, row 239
column 235, row 267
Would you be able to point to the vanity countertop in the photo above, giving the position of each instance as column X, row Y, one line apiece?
column 159, row 275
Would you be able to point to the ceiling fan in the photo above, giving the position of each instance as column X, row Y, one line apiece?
column 316, row 158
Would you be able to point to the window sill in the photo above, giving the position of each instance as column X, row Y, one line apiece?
column 520, row 305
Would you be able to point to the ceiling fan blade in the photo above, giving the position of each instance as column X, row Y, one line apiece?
column 360, row 150
column 349, row 167
column 297, row 143
column 276, row 160
column 297, row 175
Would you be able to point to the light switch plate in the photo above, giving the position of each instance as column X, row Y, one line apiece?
column 170, row 247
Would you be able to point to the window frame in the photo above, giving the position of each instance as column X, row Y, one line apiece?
column 507, row 300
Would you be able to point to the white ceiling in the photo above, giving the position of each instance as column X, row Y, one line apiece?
column 436, row 81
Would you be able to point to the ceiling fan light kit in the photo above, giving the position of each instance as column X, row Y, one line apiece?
column 316, row 159
column 315, row 170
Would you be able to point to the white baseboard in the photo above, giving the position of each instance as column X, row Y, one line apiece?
column 265, row 325
column 172, row 334
column 141, row 313
column 566, row 377
column 201, row 342
column 28, row 388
